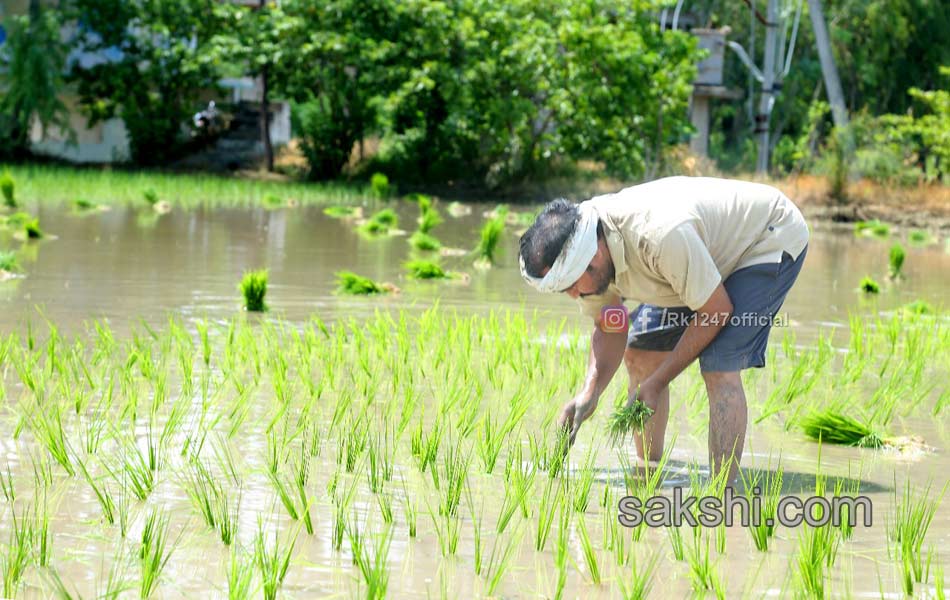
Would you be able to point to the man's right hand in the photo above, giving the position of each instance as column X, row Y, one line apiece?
column 575, row 412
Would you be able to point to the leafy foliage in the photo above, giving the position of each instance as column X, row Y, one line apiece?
column 149, row 64
column 31, row 80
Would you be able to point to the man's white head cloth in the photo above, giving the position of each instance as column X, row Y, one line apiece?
column 574, row 258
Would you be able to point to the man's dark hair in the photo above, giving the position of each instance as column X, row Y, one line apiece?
column 542, row 242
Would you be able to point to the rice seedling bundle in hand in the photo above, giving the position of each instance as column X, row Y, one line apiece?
column 629, row 418
column 869, row 286
column 254, row 287
column 8, row 188
column 835, row 428
column 896, row 260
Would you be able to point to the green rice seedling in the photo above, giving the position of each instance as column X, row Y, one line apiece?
column 240, row 574
column 701, row 570
column 942, row 402
column 500, row 560
column 641, row 579
column 769, row 492
column 489, row 237
column 896, row 258
column 285, row 494
column 47, row 425
column 454, row 477
column 254, row 287
column 105, row 499
column 425, row 269
column 151, row 197
column 869, row 286
column 203, row 490
column 342, row 500
column 835, row 428
column 6, row 485
column 629, row 418
column 424, row 241
column 8, row 188
column 372, row 565
column 272, row 201
column 583, row 483
column 351, row 283
column 675, row 535
column 410, row 510
column 381, row 222
column 447, row 529
column 273, row 562
column 133, row 473
column 14, row 561
column 913, row 513
column 380, row 186
column 547, row 511
column 590, row 556
column 154, row 551
column 9, row 262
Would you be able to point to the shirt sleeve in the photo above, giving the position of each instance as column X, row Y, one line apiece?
column 592, row 305
column 684, row 261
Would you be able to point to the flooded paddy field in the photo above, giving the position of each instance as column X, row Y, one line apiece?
column 159, row 441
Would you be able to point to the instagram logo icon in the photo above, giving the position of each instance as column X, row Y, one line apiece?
column 613, row 319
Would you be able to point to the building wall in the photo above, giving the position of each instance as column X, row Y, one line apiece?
column 106, row 142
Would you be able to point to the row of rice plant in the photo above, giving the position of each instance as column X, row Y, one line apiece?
column 280, row 447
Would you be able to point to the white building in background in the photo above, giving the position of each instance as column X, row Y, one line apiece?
column 108, row 141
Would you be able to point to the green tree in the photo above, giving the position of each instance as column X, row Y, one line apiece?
column 148, row 62
column 31, row 79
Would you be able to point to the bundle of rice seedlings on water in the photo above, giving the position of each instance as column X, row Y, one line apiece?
column 81, row 205
column 379, row 183
column 381, row 222
column 896, row 260
column 457, row 209
column 917, row 308
column 428, row 216
column 835, row 428
column 630, row 418
column 921, row 238
column 424, row 241
column 8, row 264
column 343, row 212
column 151, row 196
column 254, row 287
column 273, row 201
column 425, row 269
column 872, row 228
column 8, row 188
column 353, row 284
column 869, row 286
column 489, row 237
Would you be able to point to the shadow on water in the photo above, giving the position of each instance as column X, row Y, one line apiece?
column 676, row 473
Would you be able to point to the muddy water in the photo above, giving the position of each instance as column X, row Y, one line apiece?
column 123, row 265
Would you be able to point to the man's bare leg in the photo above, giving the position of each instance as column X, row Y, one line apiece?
column 640, row 365
column 728, row 416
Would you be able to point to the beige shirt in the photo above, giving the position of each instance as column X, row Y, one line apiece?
column 674, row 240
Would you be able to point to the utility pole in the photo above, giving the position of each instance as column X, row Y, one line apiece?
column 828, row 69
column 767, row 99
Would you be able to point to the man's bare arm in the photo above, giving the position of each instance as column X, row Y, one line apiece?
column 606, row 354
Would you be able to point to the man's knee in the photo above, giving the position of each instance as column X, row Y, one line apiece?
column 720, row 383
column 642, row 363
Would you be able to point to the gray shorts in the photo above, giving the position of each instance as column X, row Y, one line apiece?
column 757, row 294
